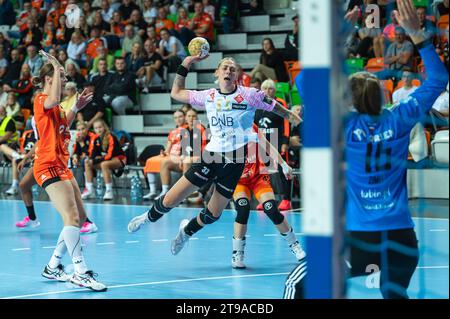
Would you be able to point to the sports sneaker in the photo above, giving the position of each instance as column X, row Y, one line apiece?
column 298, row 251
column 57, row 273
column 150, row 196
column 237, row 260
column 13, row 190
column 195, row 198
column 181, row 239
column 135, row 224
column 259, row 207
column 108, row 195
column 87, row 280
column 285, row 205
column 88, row 228
column 145, row 90
column 87, row 194
column 28, row 222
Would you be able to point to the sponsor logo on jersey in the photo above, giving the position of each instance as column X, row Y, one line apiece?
column 236, row 106
column 238, row 98
column 222, row 120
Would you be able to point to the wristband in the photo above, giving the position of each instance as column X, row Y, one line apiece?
column 424, row 43
column 182, row 71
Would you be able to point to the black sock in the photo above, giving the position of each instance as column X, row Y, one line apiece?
column 88, row 220
column 192, row 227
column 158, row 210
column 31, row 214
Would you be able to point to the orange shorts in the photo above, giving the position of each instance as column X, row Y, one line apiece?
column 259, row 185
column 153, row 164
column 46, row 175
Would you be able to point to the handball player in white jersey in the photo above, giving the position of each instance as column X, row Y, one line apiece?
column 230, row 111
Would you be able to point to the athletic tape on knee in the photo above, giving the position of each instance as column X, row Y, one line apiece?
column 242, row 210
column 159, row 206
column 271, row 210
column 207, row 217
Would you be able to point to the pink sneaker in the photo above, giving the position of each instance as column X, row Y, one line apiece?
column 285, row 205
column 28, row 222
column 88, row 228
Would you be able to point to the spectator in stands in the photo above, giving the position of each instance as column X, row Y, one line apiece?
column 63, row 33
column 291, row 42
column 407, row 89
column 135, row 59
column 8, row 131
column 13, row 110
column 107, row 155
column 426, row 25
column 23, row 87
column 34, row 60
column 271, row 64
column 81, row 150
column 84, row 27
column 162, row 21
column 73, row 74
column 399, row 57
column 94, row 42
column 126, row 8
column 121, row 88
column 97, row 21
column 149, row 12
column 242, row 77
column 94, row 110
column 107, row 11
column 182, row 20
column 226, row 14
column 209, row 8
column 13, row 71
column 255, row 83
column 117, row 25
column 442, row 8
column 129, row 39
column 38, row 17
column 88, row 12
column 440, row 110
column 150, row 34
column 138, row 23
column 21, row 21
column 48, row 40
column 7, row 14
column 276, row 130
column 152, row 72
column 102, row 53
column 171, row 50
column 368, row 35
column 54, row 12
column 6, row 44
column 76, row 49
column 70, row 95
column 3, row 63
column 294, row 137
column 252, row 7
column 63, row 58
column 101, row 78
column 169, row 158
column 32, row 35
column 201, row 25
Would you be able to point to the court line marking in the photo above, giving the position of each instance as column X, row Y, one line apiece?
column 432, row 267
column 270, row 235
column 76, row 289
column 438, row 230
column 107, row 243
column 216, row 237
column 131, row 241
column 49, row 247
column 157, row 240
column 20, row 249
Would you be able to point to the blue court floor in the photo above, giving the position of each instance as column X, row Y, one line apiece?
column 140, row 265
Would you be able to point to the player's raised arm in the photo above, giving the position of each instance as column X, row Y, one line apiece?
column 179, row 92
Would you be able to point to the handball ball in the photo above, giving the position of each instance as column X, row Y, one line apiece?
column 199, row 47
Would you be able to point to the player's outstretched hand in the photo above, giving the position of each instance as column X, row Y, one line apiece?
column 287, row 171
column 407, row 16
column 84, row 99
column 193, row 59
column 294, row 118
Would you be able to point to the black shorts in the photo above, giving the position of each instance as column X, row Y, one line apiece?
column 224, row 169
column 395, row 253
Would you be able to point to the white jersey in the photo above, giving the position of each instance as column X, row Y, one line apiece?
column 230, row 115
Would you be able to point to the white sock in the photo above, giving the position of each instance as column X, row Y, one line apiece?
column 90, row 187
column 238, row 244
column 109, row 187
column 151, row 182
column 59, row 251
column 15, row 155
column 165, row 189
column 290, row 237
column 71, row 235
column 15, row 183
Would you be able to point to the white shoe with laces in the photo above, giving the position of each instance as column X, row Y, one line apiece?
column 237, row 260
column 298, row 251
column 88, row 280
column 57, row 273
column 13, row 190
column 135, row 224
column 181, row 239
column 108, row 195
column 87, row 194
